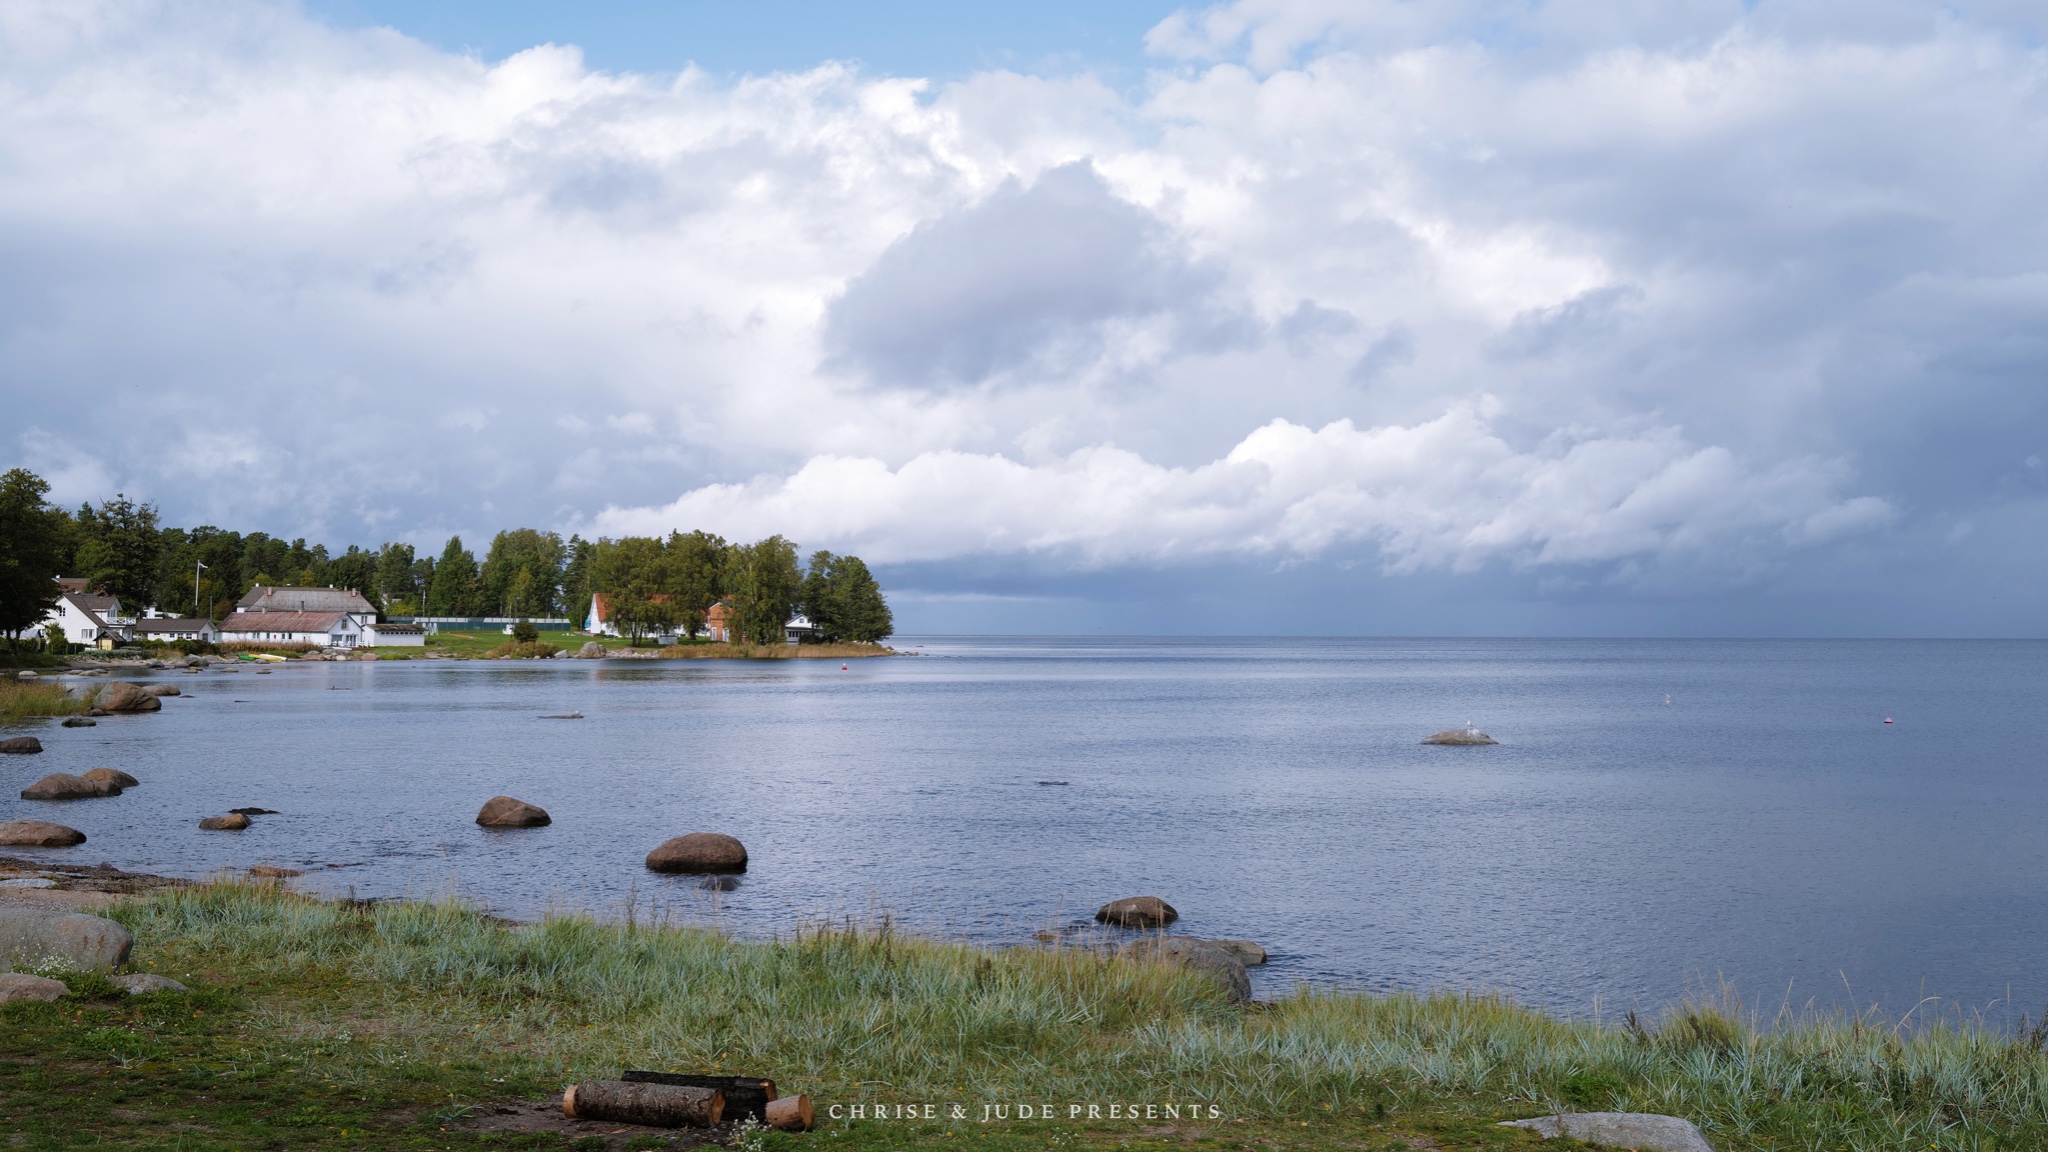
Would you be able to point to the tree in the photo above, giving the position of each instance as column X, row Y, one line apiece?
column 522, row 573
column 842, row 599
column 765, row 585
column 454, row 587
column 576, row 580
column 32, row 541
column 396, row 583
column 697, row 576
column 119, row 549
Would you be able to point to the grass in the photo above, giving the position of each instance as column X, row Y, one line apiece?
column 24, row 700
column 319, row 1024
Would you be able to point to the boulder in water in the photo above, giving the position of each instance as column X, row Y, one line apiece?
column 1467, row 735
column 1643, row 1131
column 1200, row 955
column 699, row 852
column 121, row 696
column 21, row 745
column 64, row 786
column 506, row 812
column 113, row 776
column 1137, row 912
column 80, row 722
column 232, row 822
column 39, row 834
column 163, row 690
column 1247, row 952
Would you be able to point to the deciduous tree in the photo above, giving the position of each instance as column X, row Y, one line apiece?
column 32, row 542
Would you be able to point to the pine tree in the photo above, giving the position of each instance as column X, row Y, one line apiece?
column 454, row 588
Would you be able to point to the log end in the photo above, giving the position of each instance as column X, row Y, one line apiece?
column 569, row 1102
column 791, row 1114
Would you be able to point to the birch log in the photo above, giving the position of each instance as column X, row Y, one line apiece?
column 655, row 1105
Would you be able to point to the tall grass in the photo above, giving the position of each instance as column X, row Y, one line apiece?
column 23, row 700
column 724, row 651
column 872, row 1013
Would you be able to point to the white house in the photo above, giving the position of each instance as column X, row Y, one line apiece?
column 86, row 618
column 166, row 629
column 326, row 629
column 388, row 635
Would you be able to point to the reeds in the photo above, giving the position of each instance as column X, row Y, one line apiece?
column 24, row 700
column 866, row 1011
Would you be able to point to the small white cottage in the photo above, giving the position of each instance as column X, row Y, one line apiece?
column 326, row 629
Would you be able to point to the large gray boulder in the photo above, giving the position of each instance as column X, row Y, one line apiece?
column 232, row 822
column 1200, row 955
column 163, row 690
column 507, row 812
column 1642, row 1131
column 121, row 696
column 39, row 834
column 591, row 650
column 64, row 786
column 1137, row 912
column 19, row 986
column 699, row 852
column 1248, row 952
column 30, row 937
column 21, row 745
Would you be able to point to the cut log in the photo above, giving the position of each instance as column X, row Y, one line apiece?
column 744, row 1095
column 791, row 1114
column 655, row 1105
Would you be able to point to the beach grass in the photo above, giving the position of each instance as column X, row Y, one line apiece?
column 25, row 700
column 319, row 1023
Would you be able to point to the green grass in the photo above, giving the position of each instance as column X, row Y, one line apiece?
column 24, row 700
column 489, row 645
column 321, row 1024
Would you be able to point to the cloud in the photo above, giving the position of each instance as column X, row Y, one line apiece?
column 1447, row 493
column 1032, row 277
column 1753, row 289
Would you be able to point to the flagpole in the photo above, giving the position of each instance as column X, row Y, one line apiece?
column 196, row 566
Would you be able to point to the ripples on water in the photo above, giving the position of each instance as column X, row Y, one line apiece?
column 1764, row 827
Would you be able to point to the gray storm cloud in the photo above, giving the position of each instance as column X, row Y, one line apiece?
column 1706, row 290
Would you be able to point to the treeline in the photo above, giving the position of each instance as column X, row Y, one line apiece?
column 650, row 585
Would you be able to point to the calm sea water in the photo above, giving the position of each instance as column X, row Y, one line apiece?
column 1765, row 827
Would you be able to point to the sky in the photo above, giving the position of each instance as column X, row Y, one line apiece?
column 1300, row 317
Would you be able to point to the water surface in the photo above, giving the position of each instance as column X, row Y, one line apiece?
column 1764, row 827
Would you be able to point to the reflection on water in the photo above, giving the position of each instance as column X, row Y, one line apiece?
column 1764, row 826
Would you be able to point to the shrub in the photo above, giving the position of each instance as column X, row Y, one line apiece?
column 524, row 632
column 515, row 650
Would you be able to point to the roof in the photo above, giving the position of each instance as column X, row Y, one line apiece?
column 266, row 599
column 599, row 605
column 71, row 583
column 173, row 624
column 400, row 629
column 90, row 606
column 282, row 622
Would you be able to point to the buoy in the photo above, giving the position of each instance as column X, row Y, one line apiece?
column 842, row 668
column 1887, row 719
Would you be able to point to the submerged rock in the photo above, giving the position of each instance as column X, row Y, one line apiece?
column 699, row 852
column 1467, row 735
column 163, row 690
column 506, row 812
column 1247, row 952
column 17, row 986
column 39, row 834
column 1643, row 1131
column 80, row 722
column 1137, row 912
column 232, row 822
column 113, row 776
column 32, row 936
column 21, row 745
column 64, row 786
column 1201, row 955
